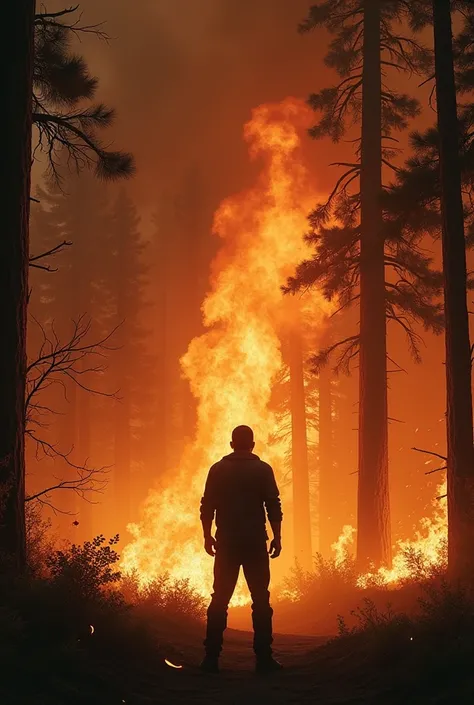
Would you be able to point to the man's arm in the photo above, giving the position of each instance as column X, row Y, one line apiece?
column 271, row 497
column 208, row 510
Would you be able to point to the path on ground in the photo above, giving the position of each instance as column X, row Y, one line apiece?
column 308, row 676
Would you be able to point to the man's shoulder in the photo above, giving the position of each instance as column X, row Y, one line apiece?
column 217, row 465
column 266, row 467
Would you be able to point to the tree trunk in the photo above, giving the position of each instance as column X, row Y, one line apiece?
column 458, row 353
column 122, row 460
column 17, row 67
column 67, row 427
column 373, row 538
column 299, row 455
column 83, row 457
column 327, row 482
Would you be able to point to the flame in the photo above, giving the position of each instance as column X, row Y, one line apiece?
column 427, row 548
column 341, row 546
column 232, row 367
column 172, row 665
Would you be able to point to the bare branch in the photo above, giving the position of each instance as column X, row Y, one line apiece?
column 430, row 452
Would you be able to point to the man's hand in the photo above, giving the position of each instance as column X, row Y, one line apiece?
column 210, row 545
column 275, row 548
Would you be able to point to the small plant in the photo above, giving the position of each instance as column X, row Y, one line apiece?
column 165, row 597
column 87, row 570
column 330, row 576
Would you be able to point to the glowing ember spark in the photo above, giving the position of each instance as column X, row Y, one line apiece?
column 172, row 665
column 232, row 367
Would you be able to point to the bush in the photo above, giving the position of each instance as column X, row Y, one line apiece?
column 166, row 598
column 87, row 571
column 328, row 577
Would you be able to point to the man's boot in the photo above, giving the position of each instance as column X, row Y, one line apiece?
column 210, row 664
column 267, row 664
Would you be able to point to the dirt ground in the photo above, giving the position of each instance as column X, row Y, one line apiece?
column 315, row 672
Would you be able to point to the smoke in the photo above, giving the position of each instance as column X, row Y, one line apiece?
column 184, row 76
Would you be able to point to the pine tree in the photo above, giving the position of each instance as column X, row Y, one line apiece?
column 59, row 298
column 42, row 77
column 428, row 195
column 328, row 479
column 132, row 361
column 299, row 452
column 357, row 259
column 295, row 404
column 445, row 164
column 458, row 348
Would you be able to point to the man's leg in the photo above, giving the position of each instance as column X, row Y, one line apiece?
column 256, row 565
column 226, row 572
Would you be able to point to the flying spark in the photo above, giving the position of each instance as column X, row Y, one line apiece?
column 172, row 665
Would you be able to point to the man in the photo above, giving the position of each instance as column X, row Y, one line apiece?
column 238, row 490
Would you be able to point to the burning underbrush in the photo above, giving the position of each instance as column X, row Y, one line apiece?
column 314, row 602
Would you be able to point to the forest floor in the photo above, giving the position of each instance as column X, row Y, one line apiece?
column 316, row 670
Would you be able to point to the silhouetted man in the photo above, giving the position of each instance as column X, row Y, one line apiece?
column 238, row 490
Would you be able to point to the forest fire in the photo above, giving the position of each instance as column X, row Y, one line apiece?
column 423, row 554
column 232, row 367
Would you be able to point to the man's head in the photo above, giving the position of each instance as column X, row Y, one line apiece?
column 242, row 439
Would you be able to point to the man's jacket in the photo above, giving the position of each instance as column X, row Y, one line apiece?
column 238, row 490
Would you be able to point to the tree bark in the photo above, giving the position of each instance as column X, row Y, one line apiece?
column 373, row 537
column 460, row 477
column 17, row 67
column 299, row 455
column 327, row 481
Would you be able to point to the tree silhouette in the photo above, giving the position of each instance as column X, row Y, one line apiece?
column 61, row 84
column 77, row 288
column 43, row 82
column 15, row 123
column 132, row 365
column 444, row 167
column 358, row 259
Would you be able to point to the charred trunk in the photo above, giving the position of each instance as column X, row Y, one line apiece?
column 458, row 352
column 18, row 22
column 299, row 455
column 373, row 537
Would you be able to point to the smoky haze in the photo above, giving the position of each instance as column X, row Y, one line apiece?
column 183, row 76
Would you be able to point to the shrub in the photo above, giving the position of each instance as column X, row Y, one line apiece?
column 328, row 577
column 165, row 597
column 87, row 571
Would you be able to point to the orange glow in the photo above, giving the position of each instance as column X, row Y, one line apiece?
column 232, row 367
column 341, row 546
column 427, row 549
